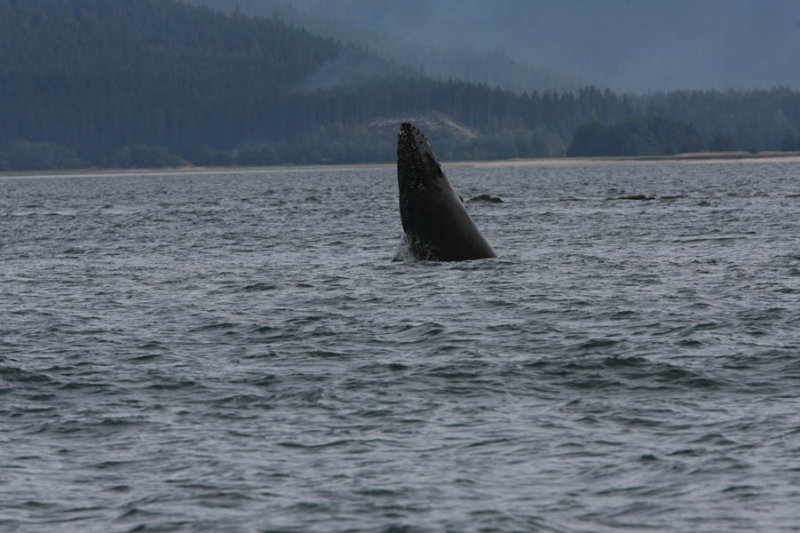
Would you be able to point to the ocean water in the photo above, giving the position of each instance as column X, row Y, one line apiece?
column 237, row 351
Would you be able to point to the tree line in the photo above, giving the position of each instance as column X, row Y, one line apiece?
column 635, row 137
column 156, row 82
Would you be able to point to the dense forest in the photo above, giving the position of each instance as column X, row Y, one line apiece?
column 635, row 137
column 159, row 83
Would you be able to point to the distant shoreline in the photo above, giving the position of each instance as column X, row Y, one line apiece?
column 699, row 157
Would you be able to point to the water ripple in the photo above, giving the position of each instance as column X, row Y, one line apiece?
column 239, row 352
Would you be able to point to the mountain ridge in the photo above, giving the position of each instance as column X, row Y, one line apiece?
column 495, row 68
column 637, row 46
column 158, row 82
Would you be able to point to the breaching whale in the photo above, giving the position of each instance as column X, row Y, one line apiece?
column 436, row 224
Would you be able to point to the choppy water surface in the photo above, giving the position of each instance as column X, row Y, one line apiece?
column 238, row 352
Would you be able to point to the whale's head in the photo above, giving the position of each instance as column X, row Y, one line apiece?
column 417, row 164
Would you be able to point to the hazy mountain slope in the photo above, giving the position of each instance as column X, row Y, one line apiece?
column 99, row 74
column 407, row 52
column 623, row 44
column 156, row 82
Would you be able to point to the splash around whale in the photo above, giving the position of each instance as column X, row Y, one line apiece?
column 436, row 224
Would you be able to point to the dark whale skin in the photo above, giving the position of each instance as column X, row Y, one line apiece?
column 436, row 224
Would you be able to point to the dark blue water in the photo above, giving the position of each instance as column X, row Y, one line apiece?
column 238, row 352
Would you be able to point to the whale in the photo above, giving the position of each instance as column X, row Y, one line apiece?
column 436, row 224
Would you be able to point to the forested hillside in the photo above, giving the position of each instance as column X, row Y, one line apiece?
column 97, row 75
column 404, row 47
column 155, row 82
column 626, row 45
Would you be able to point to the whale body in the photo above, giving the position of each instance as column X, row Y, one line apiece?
column 436, row 224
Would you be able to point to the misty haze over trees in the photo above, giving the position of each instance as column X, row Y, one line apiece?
column 150, row 83
column 628, row 45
